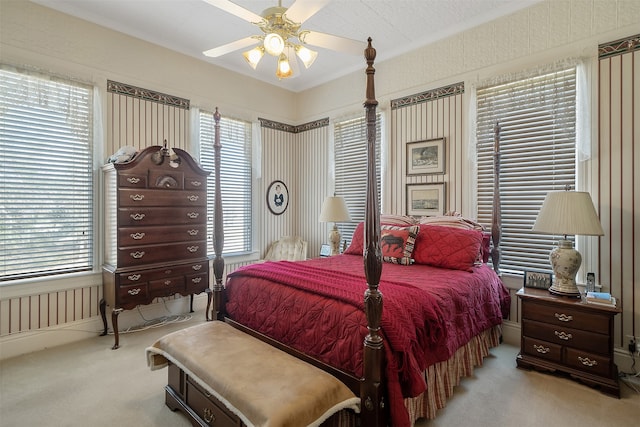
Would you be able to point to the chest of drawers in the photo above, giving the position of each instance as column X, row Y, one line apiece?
column 155, row 235
column 570, row 336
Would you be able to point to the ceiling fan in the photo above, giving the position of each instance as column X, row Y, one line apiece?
column 282, row 36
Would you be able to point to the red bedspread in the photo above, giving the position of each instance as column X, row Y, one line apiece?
column 316, row 306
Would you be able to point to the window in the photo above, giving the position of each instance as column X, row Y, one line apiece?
column 538, row 154
column 46, row 187
column 350, row 139
column 235, row 180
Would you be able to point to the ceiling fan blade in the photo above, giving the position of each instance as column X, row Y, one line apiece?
column 329, row 41
column 236, row 10
column 230, row 47
column 301, row 10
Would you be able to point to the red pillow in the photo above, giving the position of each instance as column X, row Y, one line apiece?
column 356, row 247
column 447, row 247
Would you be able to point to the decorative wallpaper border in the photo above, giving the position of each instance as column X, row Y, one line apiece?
column 618, row 47
column 294, row 129
column 430, row 95
column 147, row 94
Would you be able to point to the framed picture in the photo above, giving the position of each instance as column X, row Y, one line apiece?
column 277, row 197
column 536, row 279
column 425, row 157
column 425, row 199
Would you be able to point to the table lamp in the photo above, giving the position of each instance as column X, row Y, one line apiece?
column 567, row 213
column 334, row 209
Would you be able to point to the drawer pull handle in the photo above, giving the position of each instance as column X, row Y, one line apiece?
column 135, row 291
column 167, row 282
column 196, row 280
column 563, row 335
column 133, row 277
column 137, row 236
column 197, row 267
column 167, row 272
column 563, row 317
column 137, row 197
column 587, row 362
column 192, row 198
column 193, row 215
column 196, row 183
column 137, row 216
column 137, row 254
column 192, row 232
column 193, row 249
column 133, row 180
column 208, row 416
column 541, row 349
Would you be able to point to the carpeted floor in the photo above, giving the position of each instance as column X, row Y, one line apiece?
column 88, row 384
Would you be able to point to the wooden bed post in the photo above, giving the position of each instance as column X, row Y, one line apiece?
column 372, row 390
column 496, row 220
column 218, row 232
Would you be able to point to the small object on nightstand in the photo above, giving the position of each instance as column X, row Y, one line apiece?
column 591, row 282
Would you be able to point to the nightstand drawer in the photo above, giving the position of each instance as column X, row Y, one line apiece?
column 542, row 349
column 596, row 364
column 575, row 338
column 566, row 317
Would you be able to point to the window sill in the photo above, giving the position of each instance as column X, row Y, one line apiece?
column 44, row 284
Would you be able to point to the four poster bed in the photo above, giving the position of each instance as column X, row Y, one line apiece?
column 443, row 307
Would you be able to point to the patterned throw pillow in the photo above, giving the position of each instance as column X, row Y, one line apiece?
column 397, row 243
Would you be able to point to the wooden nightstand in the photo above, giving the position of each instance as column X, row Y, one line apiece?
column 570, row 336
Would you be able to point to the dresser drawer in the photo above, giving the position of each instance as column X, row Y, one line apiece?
column 141, row 255
column 132, row 180
column 166, row 287
column 140, row 276
column 566, row 317
column 195, row 183
column 588, row 362
column 197, row 283
column 134, row 236
column 139, row 197
column 575, row 338
column 166, row 216
column 542, row 349
column 208, row 407
column 133, row 294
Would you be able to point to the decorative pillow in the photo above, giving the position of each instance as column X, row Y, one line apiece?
column 356, row 247
column 403, row 220
column 390, row 252
column 447, row 247
column 397, row 243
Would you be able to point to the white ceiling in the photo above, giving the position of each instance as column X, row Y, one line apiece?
column 193, row 26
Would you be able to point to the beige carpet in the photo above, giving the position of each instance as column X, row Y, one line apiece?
column 88, row 384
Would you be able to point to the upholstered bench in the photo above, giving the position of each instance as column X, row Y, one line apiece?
column 227, row 376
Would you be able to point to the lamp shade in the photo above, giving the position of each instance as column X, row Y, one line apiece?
column 334, row 209
column 568, row 213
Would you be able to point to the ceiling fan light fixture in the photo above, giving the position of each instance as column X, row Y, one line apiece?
column 307, row 56
column 274, row 44
column 284, row 68
column 254, row 56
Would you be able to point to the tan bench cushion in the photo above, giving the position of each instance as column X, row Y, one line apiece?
column 261, row 384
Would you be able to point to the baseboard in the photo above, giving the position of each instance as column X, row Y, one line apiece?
column 511, row 333
column 27, row 342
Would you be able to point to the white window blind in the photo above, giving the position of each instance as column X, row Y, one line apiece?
column 350, row 151
column 537, row 154
column 235, row 180
column 46, row 188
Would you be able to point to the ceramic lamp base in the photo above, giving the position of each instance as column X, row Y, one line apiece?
column 334, row 240
column 565, row 261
